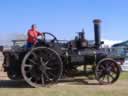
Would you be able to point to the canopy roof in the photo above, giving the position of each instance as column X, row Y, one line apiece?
column 122, row 44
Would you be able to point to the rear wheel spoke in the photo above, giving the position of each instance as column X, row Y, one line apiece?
column 32, row 61
column 34, row 55
column 30, row 78
column 46, row 75
column 41, row 60
column 49, row 68
column 28, row 65
column 42, row 79
column 46, row 62
column 53, row 75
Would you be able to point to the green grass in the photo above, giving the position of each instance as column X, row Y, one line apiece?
column 124, row 76
column 120, row 88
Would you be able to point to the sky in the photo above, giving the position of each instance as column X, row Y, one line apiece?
column 64, row 18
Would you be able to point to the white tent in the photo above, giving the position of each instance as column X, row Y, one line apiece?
column 109, row 43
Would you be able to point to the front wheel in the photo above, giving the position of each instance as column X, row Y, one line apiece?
column 107, row 71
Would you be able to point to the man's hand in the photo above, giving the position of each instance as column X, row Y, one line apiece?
column 35, row 41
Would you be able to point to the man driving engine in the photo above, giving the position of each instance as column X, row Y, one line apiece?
column 33, row 34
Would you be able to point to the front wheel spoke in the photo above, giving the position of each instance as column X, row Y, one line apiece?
column 108, row 79
column 103, row 67
column 102, row 77
column 114, row 71
column 111, row 76
column 106, row 65
column 99, row 73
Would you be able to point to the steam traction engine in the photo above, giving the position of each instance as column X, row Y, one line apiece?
column 50, row 60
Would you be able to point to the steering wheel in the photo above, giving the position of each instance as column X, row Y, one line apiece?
column 48, row 37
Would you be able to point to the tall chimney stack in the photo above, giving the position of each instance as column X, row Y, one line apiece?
column 97, row 32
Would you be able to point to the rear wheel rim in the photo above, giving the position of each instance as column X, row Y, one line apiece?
column 41, row 66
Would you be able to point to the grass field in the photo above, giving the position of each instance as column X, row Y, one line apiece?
column 120, row 88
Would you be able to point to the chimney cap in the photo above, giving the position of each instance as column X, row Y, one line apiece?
column 96, row 21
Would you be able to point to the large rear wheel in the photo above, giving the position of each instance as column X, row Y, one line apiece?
column 41, row 66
